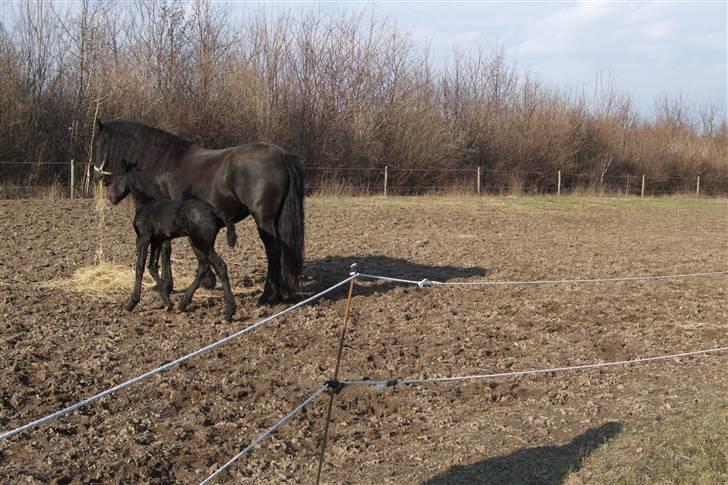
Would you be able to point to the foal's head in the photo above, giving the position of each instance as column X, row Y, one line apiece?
column 142, row 186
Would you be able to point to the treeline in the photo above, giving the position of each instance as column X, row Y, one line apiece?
column 342, row 90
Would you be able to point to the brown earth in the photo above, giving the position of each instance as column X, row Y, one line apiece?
column 58, row 347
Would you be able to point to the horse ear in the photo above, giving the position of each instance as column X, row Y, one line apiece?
column 98, row 126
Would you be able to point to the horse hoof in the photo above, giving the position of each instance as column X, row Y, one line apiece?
column 182, row 306
column 169, row 307
column 130, row 306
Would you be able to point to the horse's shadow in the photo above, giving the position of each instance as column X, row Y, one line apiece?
column 540, row 465
column 326, row 272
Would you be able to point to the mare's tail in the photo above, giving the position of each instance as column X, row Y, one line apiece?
column 232, row 236
column 290, row 227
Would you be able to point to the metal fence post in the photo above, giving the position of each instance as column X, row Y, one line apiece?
column 626, row 188
column 386, row 176
column 73, row 172
column 642, row 194
column 558, row 184
column 478, row 184
column 697, row 187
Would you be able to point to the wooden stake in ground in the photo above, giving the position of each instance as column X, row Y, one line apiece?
column 334, row 380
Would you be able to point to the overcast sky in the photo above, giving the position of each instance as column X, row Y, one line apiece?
column 650, row 49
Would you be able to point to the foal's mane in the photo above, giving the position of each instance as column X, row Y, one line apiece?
column 152, row 149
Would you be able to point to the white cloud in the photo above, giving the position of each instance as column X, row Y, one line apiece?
column 564, row 31
column 658, row 30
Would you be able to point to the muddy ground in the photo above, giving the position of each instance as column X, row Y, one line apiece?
column 58, row 347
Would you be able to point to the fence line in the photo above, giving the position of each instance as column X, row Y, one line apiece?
column 266, row 433
column 432, row 380
column 381, row 179
column 146, row 375
column 428, row 282
column 336, row 386
column 333, row 385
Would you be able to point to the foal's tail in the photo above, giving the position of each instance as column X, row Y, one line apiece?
column 290, row 227
column 232, row 236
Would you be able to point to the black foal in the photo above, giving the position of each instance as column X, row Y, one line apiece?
column 159, row 219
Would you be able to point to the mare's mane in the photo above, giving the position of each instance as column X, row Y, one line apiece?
column 153, row 150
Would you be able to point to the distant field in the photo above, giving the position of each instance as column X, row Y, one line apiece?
column 599, row 426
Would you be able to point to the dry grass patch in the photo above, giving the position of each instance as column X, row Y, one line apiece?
column 109, row 281
column 690, row 446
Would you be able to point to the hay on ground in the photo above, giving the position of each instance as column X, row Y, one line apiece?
column 110, row 281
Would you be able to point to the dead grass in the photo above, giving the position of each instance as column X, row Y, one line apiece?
column 109, row 281
column 332, row 186
column 686, row 447
column 54, row 191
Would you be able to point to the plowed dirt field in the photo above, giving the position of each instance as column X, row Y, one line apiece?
column 57, row 346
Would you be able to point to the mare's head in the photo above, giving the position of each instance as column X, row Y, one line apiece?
column 153, row 150
column 106, row 162
column 131, row 180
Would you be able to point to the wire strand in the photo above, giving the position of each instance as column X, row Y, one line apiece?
column 265, row 434
column 146, row 375
column 414, row 382
column 428, row 282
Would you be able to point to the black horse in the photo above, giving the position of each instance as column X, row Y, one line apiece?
column 159, row 220
column 257, row 179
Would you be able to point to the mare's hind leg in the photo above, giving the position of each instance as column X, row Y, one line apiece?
column 271, row 292
column 154, row 271
column 203, row 265
column 221, row 270
column 142, row 244
column 168, row 283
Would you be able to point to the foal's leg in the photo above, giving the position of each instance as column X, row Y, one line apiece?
column 168, row 283
column 142, row 244
column 221, row 270
column 154, row 271
column 203, row 265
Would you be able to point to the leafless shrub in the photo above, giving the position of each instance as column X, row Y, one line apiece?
column 343, row 90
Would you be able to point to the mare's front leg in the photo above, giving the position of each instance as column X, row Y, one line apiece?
column 154, row 271
column 142, row 244
column 168, row 283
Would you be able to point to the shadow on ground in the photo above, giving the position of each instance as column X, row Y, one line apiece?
column 541, row 465
column 323, row 273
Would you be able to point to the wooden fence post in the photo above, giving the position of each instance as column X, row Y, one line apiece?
column 642, row 194
column 386, row 176
column 478, row 183
column 697, row 187
column 558, row 185
column 626, row 188
column 73, row 172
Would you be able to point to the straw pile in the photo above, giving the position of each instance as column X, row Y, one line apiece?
column 109, row 281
